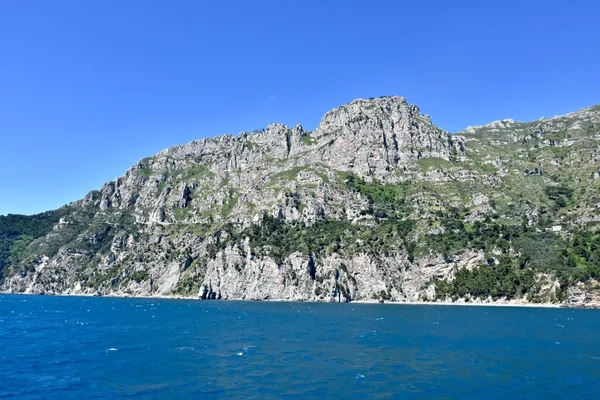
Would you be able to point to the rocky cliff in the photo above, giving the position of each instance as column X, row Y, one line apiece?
column 375, row 203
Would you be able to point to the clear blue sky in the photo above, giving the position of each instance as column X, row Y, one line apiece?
column 87, row 88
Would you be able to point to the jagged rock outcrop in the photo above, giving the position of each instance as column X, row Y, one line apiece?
column 372, row 138
column 584, row 296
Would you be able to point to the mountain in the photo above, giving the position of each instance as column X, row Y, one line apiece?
column 377, row 203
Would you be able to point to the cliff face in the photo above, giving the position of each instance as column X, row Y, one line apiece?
column 375, row 203
column 375, row 139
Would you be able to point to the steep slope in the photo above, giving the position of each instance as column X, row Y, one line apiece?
column 560, row 152
column 375, row 203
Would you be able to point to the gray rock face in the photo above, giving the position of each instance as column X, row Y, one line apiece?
column 187, row 220
column 372, row 138
column 581, row 296
column 377, row 139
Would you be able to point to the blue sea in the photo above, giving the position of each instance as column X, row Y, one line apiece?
column 79, row 348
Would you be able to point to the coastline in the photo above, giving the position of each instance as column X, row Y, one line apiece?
column 463, row 304
column 395, row 303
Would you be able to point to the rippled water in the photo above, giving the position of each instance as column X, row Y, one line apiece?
column 67, row 347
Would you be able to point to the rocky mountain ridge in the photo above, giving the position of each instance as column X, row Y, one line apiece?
column 375, row 203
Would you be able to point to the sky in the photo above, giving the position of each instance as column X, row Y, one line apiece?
column 88, row 88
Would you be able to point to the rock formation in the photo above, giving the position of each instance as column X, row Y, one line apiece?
column 375, row 203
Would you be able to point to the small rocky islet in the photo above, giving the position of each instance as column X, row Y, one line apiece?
column 376, row 204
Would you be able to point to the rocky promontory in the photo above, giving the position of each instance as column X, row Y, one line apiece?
column 376, row 203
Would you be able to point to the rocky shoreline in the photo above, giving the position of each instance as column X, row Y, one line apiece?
column 501, row 303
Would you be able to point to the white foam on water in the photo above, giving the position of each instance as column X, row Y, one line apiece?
column 111, row 349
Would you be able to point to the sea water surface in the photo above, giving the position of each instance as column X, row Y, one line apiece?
column 78, row 347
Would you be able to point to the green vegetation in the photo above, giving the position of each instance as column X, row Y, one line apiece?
column 278, row 240
column 98, row 278
column 584, row 252
column 561, row 195
column 287, row 175
column 180, row 214
column 139, row 276
column 523, row 254
column 229, row 204
column 504, row 279
column 516, row 254
column 145, row 172
column 82, row 233
column 198, row 172
column 428, row 164
column 385, row 200
column 308, row 140
column 18, row 231
column 560, row 152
